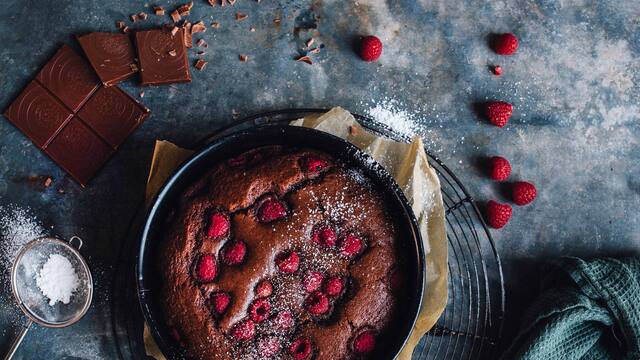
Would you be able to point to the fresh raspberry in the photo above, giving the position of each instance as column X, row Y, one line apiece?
column 500, row 168
column 333, row 286
column 301, row 348
column 497, row 214
column 313, row 165
column 317, row 303
column 259, row 310
column 288, row 262
column 370, row 48
column 234, row 252
column 497, row 70
column 264, row 289
column 505, row 44
column 206, row 268
column 220, row 302
column 219, row 225
column 324, row 235
column 272, row 209
column 284, row 321
column 243, row 330
column 499, row 112
column 365, row 342
column 523, row 192
column 312, row 281
column 268, row 346
column 350, row 245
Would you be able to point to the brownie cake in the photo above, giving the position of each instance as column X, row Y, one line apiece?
column 280, row 254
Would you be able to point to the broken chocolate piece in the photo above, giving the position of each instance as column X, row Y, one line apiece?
column 200, row 64
column 185, row 9
column 158, row 10
column 111, row 56
column 188, row 38
column 198, row 27
column 175, row 16
column 306, row 59
column 133, row 17
column 240, row 16
column 120, row 24
column 202, row 43
column 142, row 15
column 156, row 65
column 243, row 58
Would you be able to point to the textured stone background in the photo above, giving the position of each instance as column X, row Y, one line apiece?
column 575, row 130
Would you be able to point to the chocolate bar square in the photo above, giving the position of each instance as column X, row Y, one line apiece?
column 37, row 114
column 79, row 151
column 111, row 55
column 113, row 114
column 163, row 57
column 69, row 78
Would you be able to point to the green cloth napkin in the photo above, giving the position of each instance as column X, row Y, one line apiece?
column 590, row 310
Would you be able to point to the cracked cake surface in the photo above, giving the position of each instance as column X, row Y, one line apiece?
column 280, row 253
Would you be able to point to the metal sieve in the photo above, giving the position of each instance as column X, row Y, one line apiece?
column 32, row 302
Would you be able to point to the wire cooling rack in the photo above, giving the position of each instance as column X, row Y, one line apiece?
column 471, row 324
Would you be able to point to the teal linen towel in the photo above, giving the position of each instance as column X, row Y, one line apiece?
column 589, row 310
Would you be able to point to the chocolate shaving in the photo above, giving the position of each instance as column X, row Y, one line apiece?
column 201, row 43
column 277, row 21
column 306, row 59
column 125, row 29
column 215, row 25
column 198, row 27
column 133, row 17
column 200, row 64
column 48, row 181
column 188, row 39
column 353, row 130
column 175, row 16
column 142, row 16
column 200, row 53
column 173, row 52
column 120, row 24
column 314, row 51
column 310, row 42
column 240, row 16
column 158, row 10
column 243, row 58
column 185, row 9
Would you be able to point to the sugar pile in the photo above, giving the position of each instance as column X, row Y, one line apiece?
column 57, row 279
column 393, row 114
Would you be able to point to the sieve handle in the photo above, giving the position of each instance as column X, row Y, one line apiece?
column 18, row 341
column 77, row 241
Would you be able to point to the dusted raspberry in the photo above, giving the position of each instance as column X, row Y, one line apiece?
column 234, row 252
column 220, row 302
column 300, row 348
column 272, row 209
column 350, row 245
column 314, row 165
column 268, row 346
column 259, row 310
column 523, row 192
column 219, row 225
column 324, row 235
column 333, row 286
column 500, row 168
column 288, row 262
column 365, row 342
column 498, row 112
column 206, row 268
column 243, row 330
column 317, row 303
column 284, row 321
column 506, row 44
column 497, row 214
column 370, row 48
column 312, row 281
column 264, row 289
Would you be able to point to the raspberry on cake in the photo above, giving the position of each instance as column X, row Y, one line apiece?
column 206, row 268
column 288, row 262
column 324, row 235
column 272, row 209
column 312, row 281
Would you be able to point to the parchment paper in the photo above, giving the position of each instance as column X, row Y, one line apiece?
column 407, row 163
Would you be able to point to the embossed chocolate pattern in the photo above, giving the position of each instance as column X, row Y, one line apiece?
column 38, row 114
column 113, row 114
column 111, row 55
column 157, row 64
column 69, row 77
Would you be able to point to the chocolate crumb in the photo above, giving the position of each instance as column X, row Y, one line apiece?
column 202, row 43
column 175, row 16
column 212, row 2
column 158, row 10
column 310, row 42
column 133, row 17
column 172, row 52
column 243, row 58
column 240, row 16
column 276, row 21
column 48, row 181
column 142, row 16
column 120, row 24
column 133, row 67
column 200, row 64
column 185, row 9
column 314, row 51
column 215, row 25
column 198, row 27
column 306, row 59
column 353, row 130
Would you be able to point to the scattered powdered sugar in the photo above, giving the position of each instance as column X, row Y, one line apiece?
column 394, row 115
column 17, row 227
column 57, row 279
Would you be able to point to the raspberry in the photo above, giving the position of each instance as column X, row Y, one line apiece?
column 284, row 321
column 313, row 165
column 497, row 70
column 234, row 252
column 219, row 225
column 317, row 303
column 288, row 262
column 324, row 235
column 523, row 192
column 497, row 214
column 268, row 346
column 300, row 348
column 370, row 48
column 505, row 44
column 498, row 112
column 264, row 289
column 350, row 245
column 243, row 330
column 206, row 268
column 220, row 302
column 365, row 342
column 260, row 310
column 271, row 209
column 500, row 168
column 312, row 281
column 334, row 286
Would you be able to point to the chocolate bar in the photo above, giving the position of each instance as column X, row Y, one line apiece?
column 111, row 55
column 163, row 57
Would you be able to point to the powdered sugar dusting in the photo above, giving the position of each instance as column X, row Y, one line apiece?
column 393, row 114
column 17, row 227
